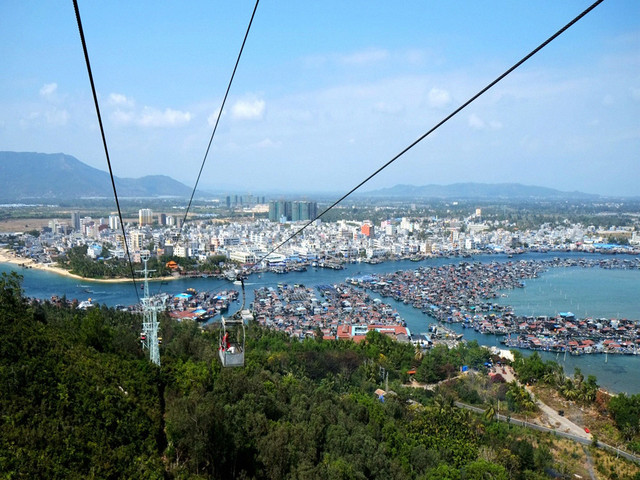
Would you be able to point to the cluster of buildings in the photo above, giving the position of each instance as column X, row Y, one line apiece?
column 248, row 241
column 461, row 294
column 339, row 312
column 249, row 200
column 285, row 211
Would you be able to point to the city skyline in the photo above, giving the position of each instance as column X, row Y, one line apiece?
column 325, row 94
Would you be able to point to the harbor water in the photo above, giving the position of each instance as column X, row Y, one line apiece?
column 594, row 292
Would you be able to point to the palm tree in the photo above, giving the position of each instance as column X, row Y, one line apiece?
column 463, row 415
column 569, row 390
column 490, row 413
column 441, row 403
column 578, row 377
column 550, row 378
column 561, row 378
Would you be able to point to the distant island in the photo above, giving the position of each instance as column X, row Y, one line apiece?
column 499, row 191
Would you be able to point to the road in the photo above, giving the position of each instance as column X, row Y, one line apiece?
column 558, row 422
column 578, row 438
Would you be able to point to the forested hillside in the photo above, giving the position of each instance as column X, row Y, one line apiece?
column 31, row 175
column 80, row 400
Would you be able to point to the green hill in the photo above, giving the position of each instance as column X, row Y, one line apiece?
column 29, row 176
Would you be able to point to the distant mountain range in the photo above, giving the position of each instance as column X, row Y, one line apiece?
column 27, row 175
column 513, row 191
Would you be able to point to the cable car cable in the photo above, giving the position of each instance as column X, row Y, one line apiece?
column 438, row 125
column 231, row 351
column 215, row 127
column 104, row 141
column 442, row 122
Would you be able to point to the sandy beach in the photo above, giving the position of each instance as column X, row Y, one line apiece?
column 7, row 256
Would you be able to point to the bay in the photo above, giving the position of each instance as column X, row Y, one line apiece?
column 593, row 291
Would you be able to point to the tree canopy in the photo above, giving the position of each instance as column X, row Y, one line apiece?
column 79, row 399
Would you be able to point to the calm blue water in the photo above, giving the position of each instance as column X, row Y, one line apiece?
column 596, row 292
column 587, row 292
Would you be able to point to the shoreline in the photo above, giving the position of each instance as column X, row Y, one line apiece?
column 7, row 256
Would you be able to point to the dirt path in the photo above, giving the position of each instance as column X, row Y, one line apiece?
column 550, row 418
column 431, row 386
column 590, row 469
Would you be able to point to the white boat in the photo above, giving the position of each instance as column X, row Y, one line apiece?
column 85, row 304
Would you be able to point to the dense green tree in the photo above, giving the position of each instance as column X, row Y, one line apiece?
column 519, row 399
column 625, row 411
column 483, row 470
column 79, row 399
column 71, row 410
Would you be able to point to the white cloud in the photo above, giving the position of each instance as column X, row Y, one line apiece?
column 439, row 98
column 53, row 117
column 168, row 118
column 120, row 100
column 608, row 100
column 366, row 57
column 415, row 57
column 248, row 110
column 57, row 118
column 362, row 58
column 268, row 143
column 126, row 113
column 151, row 117
column 122, row 118
column 476, row 122
column 387, row 108
column 48, row 89
column 211, row 119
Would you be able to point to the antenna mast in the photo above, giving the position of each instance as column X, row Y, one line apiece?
column 149, row 336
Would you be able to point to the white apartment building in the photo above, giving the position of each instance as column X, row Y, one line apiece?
column 145, row 216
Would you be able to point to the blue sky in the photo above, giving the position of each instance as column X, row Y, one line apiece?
column 326, row 92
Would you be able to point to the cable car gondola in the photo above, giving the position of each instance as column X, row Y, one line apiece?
column 232, row 337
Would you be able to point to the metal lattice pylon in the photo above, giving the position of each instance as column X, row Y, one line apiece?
column 149, row 336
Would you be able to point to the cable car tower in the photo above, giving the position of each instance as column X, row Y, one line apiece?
column 149, row 336
column 232, row 336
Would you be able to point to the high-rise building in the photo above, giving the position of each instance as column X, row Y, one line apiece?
column 276, row 210
column 145, row 216
column 136, row 240
column 292, row 211
column 75, row 221
column 114, row 222
column 162, row 219
column 303, row 211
